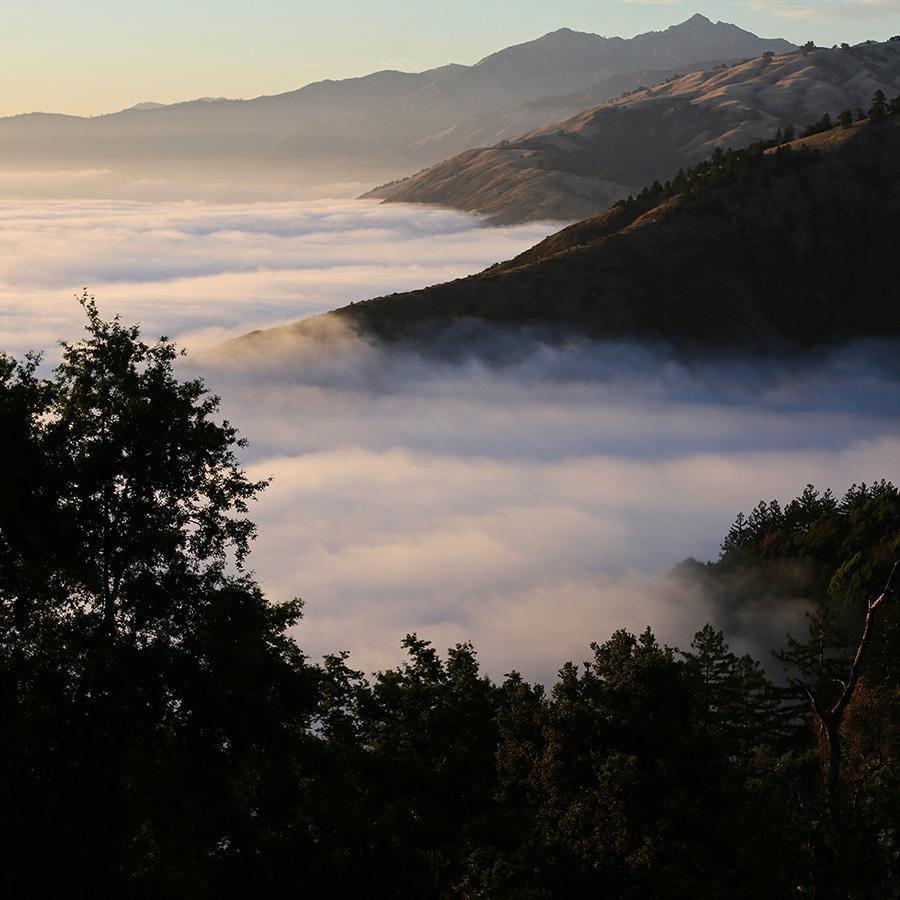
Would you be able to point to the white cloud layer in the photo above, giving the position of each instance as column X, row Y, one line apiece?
column 537, row 506
column 530, row 507
column 204, row 272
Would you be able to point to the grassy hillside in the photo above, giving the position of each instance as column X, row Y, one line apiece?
column 572, row 169
column 760, row 249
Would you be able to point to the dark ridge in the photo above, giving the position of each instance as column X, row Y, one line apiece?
column 764, row 249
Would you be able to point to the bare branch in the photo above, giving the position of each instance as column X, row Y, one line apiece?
column 830, row 719
column 813, row 700
column 847, row 694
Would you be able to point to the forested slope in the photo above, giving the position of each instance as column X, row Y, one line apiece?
column 763, row 248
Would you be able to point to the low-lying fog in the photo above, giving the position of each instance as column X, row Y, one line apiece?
column 203, row 272
column 531, row 507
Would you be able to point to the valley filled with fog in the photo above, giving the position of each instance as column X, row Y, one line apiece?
column 531, row 505
column 204, row 272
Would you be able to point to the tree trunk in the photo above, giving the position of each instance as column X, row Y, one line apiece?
column 833, row 780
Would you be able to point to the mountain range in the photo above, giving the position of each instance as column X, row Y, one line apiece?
column 795, row 246
column 371, row 128
column 574, row 168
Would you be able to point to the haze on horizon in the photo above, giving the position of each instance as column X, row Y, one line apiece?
column 97, row 57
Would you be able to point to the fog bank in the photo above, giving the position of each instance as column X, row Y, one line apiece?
column 539, row 503
column 203, row 272
column 528, row 497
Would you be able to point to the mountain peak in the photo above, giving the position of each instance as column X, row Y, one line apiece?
column 144, row 105
column 698, row 20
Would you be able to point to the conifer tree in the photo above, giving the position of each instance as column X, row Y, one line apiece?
column 879, row 108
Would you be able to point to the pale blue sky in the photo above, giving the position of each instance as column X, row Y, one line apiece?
column 90, row 56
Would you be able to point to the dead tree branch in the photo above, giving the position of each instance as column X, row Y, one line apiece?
column 831, row 718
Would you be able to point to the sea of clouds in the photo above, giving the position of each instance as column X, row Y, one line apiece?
column 203, row 272
column 537, row 505
column 530, row 502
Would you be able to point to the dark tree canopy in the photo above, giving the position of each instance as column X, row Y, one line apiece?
column 164, row 736
column 147, row 686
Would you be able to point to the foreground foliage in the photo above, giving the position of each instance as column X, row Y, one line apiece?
column 163, row 735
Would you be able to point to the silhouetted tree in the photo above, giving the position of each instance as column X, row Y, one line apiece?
column 154, row 706
column 824, row 124
column 163, row 735
column 879, row 108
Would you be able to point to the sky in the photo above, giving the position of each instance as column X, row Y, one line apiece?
column 86, row 57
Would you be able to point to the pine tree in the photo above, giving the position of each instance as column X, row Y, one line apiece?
column 738, row 535
column 879, row 108
column 712, row 664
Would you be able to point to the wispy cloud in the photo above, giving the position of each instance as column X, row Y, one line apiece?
column 826, row 10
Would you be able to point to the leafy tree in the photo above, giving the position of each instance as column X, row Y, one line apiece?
column 845, row 118
column 140, row 483
column 156, row 706
column 411, row 758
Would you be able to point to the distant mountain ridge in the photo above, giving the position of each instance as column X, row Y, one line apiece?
column 565, row 61
column 794, row 248
column 574, row 168
column 368, row 128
